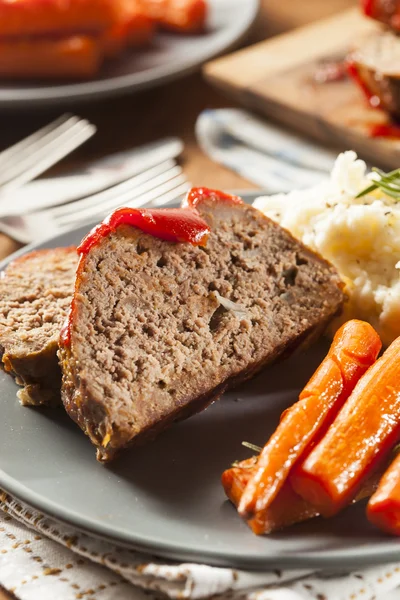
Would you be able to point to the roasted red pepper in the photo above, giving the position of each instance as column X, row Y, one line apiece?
column 368, row 7
column 199, row 194
column 172, row 225
column 383, row 11
column 386, row 130
column 353, row 71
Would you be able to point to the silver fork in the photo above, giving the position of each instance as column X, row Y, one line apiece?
column 158, row 186
column 32, row 156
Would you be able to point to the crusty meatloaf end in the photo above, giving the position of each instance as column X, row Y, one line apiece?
column 159, row 329
column 35, row 294
column 375, row 66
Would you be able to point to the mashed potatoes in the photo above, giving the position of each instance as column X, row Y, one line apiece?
column 361, row 237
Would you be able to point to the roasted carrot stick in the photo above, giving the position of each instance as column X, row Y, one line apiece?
column 185, row 16
column 287, row 509
column 235, row 479
column 360, row 438
column 355, row 347
column 75, row 57
column 133, row 27
column 384, row 507
column 140, row 29
column 70, row 17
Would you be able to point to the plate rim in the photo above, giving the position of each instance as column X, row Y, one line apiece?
column 108, row 87
column 332, row 559
column 351, row 558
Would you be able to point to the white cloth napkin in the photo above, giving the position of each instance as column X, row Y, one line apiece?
column 270, row 157
column 43, row 559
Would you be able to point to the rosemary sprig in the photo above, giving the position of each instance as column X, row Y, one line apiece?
column 252, row 447
column 389, row 183
column 396, row 450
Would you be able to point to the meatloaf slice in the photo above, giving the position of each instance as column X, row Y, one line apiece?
column 385, row 11
column 158, row 330
column 35, row 294
column 375, row 66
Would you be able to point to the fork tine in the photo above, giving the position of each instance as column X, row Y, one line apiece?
column 137, row 181
column 173, row 187
column 151, row 189
column 40, row 149
column 160, row 191
column 46, row 153
column 10, row 152
column 169, row 197
column 49, row 155
column 33, row 226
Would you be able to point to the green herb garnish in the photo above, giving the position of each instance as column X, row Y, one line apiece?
column 396, row 450
column 253, row 447
column 389, row 183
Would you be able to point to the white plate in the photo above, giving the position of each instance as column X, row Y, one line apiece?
column 170, row 56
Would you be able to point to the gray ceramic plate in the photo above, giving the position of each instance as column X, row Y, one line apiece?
column 169, row 57
column 166, row 497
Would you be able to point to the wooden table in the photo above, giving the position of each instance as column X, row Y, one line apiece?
column 169, row 110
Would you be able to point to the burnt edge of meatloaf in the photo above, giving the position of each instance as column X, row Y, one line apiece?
column 386, row 87
column 42, row 390
column 82, row 408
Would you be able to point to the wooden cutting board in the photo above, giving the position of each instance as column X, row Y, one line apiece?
column 277, row 78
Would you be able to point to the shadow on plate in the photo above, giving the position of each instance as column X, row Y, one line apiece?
column 188, row 459
column 350, row 524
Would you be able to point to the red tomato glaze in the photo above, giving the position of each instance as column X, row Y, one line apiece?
column 199, row 194
column 172, row 225
column 367, row 7
column 352, row 70
column 385, row 130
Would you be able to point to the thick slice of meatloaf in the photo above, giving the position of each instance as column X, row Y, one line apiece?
column 158, row 330
column 35, row 294
column 375, row 66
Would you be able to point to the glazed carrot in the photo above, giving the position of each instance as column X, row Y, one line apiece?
column 360, row 438
column 133, row 27
column 184, row 16
column 383, row 508
column 140, row 29
column 21, row 18
column 287, row 509
column 75, row 57
column 355, row 347
column 235, row 479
